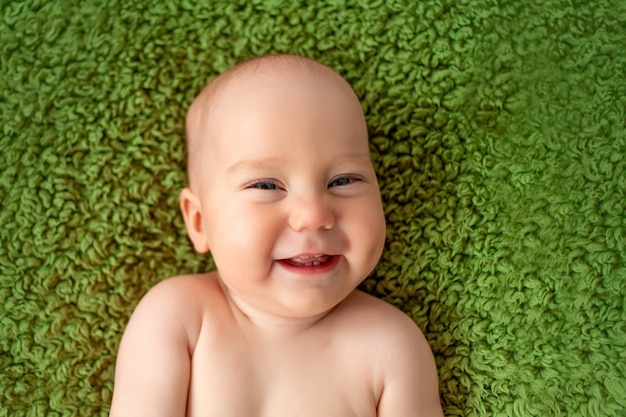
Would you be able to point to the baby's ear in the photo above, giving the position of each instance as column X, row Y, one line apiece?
column 192, row 213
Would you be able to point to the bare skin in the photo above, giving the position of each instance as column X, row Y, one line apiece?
column 284, row 195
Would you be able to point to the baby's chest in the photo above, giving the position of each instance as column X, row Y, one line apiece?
column 238, row 380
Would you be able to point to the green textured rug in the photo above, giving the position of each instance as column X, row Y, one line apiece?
column 497, row 128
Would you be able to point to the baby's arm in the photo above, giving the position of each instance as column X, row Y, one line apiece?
column 153, row 365
column 411, row 385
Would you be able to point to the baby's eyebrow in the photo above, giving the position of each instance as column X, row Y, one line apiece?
column 357, row 158
column 253, row 164
column 360, row 158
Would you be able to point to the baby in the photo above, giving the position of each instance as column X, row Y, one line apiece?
column 283, row 194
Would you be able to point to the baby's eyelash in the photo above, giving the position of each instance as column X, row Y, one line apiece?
column 264, row 184
column 270, row 184
column 344, row 180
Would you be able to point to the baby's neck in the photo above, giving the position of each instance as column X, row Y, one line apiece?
column 267, row 323
column 280, row 326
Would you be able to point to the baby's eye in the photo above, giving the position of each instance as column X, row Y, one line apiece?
column 263, row 185
column 337, row 182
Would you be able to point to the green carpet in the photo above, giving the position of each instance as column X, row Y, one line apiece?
column 497, row 129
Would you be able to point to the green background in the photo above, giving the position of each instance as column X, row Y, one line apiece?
column 497, row 130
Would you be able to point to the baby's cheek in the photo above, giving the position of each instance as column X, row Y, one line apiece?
column 367, row 241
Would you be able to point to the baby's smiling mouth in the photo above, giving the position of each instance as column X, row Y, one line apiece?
column 308, row 260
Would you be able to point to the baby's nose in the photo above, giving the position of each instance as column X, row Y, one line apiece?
column 313, row 213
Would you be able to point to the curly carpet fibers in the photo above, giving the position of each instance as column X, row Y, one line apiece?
column 497, row 129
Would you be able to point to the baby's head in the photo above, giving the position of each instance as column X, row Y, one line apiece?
column 282, row 190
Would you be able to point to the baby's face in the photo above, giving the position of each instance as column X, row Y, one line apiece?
column 289, row 202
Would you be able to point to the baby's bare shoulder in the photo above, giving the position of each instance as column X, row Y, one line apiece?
column 400, row 355
column 186, row 286
column 157, row 346
column 187, row 292
column 182, row 301
column 362, row 309
column 388, row 332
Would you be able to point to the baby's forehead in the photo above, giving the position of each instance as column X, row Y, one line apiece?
column 239, row 83
column 277, row 70
column 235, row 81
column 231, row 89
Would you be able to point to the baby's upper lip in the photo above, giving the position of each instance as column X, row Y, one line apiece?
column 304, row 257
column 307, row 257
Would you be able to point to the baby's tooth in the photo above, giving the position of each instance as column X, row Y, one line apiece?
column 312, row 260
